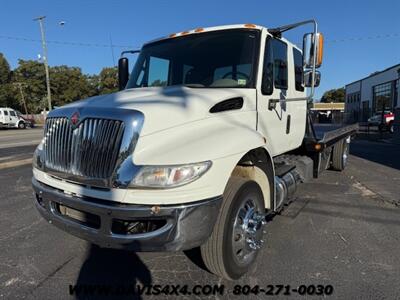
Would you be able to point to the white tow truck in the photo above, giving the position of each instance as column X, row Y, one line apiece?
column 208, row 135
column 10, row 118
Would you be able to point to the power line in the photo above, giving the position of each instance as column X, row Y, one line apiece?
column 80, row 44
column 6, row 37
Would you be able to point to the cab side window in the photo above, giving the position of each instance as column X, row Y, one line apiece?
column 298, row 70
column 12, row 113
column 275, row 70
column 6, row 113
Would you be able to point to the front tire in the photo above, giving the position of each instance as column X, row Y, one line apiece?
column 21, row 125
column 234, row 244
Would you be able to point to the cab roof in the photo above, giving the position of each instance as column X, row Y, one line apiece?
column 207, row 29
column 197, row 30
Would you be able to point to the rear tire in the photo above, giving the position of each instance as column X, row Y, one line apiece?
column 227, row 252
column 340, row 155
column 21, row 125
column 391, row 127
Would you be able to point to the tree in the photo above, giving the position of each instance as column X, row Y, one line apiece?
column 68, row 84
column 6, row 95
column 31, row 73
column 4, row 70
column 108, row 81
column 93, row 82
column 159, row 82
column 334, row 95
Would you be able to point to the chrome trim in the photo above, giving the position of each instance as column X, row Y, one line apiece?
column 177, row 234
column 123, row 126
column 247, row 231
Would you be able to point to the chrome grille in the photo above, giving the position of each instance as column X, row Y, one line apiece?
column 90, row 150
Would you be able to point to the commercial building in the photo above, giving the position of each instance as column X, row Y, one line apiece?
column 374, row 93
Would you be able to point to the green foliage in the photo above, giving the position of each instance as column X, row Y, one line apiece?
column 5, row 82
column 158, row 82
column 67, row 84
column 108, row 81
column 334, row 95
column 5, row 71
column 31, row 75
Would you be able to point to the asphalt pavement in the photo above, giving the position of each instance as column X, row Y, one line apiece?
column 20, row 137
column 342, row 230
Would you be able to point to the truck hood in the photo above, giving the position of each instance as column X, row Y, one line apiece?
column 166, row 107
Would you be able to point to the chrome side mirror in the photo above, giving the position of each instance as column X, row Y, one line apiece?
column 308, row 49
column 308, row 78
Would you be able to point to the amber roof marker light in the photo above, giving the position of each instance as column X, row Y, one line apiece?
column 250, row 25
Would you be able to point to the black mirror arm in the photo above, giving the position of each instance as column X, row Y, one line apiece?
column 129, row 51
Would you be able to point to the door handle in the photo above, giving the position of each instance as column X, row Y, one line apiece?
column 288, row 124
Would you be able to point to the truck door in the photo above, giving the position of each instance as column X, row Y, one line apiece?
column 284, row 124
column 7, row 118
column 13, row 118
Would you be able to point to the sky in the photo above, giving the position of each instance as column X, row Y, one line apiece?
column 361, row 36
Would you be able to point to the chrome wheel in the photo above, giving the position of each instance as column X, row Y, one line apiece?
column 247, row 232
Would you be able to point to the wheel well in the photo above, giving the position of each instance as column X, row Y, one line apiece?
column 257, row 165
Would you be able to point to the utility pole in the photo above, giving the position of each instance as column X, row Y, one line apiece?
column 19, row 84
column 46, row 66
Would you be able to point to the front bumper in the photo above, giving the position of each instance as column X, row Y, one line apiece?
column 169, row 228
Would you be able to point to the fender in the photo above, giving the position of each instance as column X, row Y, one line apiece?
column 223, row 139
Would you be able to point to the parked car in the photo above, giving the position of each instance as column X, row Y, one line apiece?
column 10, row 118
column 386, row 125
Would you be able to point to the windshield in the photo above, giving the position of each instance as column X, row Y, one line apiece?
column 213, row 60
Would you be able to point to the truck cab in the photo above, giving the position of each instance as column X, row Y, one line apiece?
column 10, row 118
column 208, row 136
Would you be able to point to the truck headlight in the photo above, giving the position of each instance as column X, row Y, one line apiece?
column 169, row 176
column 38, row 160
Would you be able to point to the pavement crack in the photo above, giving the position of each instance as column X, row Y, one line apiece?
column 342, row 238
column 21, row 230
column 52, row 274
column 370, row 193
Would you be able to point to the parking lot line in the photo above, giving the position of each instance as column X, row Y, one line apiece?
column 9, row 145
column 17, row 163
